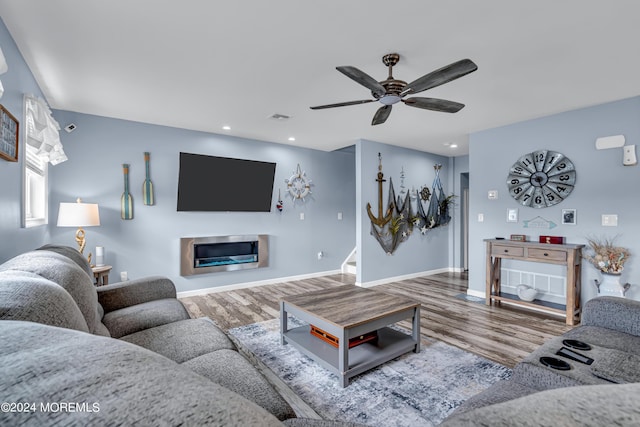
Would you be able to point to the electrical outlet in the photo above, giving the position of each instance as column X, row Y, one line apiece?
column 301, row 216
column 124, row 276
column 480, row 217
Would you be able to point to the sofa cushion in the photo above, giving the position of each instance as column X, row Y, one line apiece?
column 138, row 317
column 72, row 254
column 498, row 392
column 603, row 405
column 27, row 296
column 63, row 271
column 231, row 370
column 112, row 383
column 613, row 313
column 604, row 337
column 183, row 340
column 137, row 291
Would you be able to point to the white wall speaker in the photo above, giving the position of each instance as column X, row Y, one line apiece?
column 615, row 141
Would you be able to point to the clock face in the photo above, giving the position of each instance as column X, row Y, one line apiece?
column 541, row 179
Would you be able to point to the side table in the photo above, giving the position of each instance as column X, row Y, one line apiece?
column 101, row 274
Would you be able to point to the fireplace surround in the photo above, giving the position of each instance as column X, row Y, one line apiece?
column 201, row 255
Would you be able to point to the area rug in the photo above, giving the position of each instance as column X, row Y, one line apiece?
column 413, row 389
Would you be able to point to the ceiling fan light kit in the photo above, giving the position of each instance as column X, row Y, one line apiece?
column 391, row 91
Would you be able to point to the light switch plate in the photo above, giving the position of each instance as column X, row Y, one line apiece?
column 629, row 153
column 492, row 194
column 610, row 220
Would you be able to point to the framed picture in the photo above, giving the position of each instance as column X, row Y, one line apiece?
column 518, row 237
column 512, row 215
column 568, row 217
column 8, row 135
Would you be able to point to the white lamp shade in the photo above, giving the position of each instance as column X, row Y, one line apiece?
column 78, row 215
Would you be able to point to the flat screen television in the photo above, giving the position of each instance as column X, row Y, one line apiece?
column 221, row 184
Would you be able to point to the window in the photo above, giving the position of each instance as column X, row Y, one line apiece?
column 35, row 206
column 42, row 146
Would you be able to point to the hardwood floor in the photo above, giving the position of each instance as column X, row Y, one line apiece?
column 505, row 334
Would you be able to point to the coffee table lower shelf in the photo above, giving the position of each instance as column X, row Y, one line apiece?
column 389, row 345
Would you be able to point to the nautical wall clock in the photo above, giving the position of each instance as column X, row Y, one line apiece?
column 541, row 179
column 299, row 186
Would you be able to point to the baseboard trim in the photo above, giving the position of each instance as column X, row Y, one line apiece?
column 224, row 288
column 403, row 277
column 478, row 294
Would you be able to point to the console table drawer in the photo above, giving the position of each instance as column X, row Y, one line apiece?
column 506, row 250
column 553, row 255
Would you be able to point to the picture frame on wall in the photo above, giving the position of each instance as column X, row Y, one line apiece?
column 8, row 135
column 568, row 217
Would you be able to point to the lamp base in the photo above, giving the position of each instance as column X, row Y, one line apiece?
column 80, row 239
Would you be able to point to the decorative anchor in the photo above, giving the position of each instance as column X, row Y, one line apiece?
column 381, row 220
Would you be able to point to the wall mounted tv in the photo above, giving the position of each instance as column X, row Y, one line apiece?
column 221, row 184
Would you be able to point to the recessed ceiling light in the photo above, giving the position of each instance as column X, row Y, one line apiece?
column 291, row 138
column 454, row 146
column 226, row 127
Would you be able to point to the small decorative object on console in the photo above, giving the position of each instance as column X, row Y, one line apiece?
column 555, row 240
column 607, row 257
column 518, row 237
column 526, row 293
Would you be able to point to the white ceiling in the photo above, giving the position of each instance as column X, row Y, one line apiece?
column 202, row 64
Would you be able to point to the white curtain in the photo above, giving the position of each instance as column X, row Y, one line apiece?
column 43, row 130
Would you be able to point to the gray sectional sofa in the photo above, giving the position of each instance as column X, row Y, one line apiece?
column 128, row 354
column 599, row 393
column 122, row 354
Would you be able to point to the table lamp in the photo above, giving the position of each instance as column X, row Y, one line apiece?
column 79, row 215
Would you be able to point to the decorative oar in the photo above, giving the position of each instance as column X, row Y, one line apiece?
column 147, row 187
column 126, row 201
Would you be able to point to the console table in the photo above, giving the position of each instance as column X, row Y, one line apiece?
column 569, row 255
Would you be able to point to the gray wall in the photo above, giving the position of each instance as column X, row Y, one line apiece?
column 420, row 252
column 17, row 81
column 149, row 244
column 604, row 185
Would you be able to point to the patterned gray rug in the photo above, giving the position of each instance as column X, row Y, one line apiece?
column 413, row 389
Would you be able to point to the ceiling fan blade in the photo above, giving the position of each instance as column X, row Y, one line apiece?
column 441, row 76
column 363, row 78
column 343, row 104
column 434, row 104
column 381, row 115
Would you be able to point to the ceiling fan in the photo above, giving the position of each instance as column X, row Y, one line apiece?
column 392, row 91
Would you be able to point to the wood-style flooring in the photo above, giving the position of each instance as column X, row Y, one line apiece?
column 504, row 334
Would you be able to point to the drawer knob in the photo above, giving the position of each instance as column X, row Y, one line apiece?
column 506, row 251
column 546, row 254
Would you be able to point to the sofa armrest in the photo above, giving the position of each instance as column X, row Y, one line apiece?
column 615, row 313
column 125, row 294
